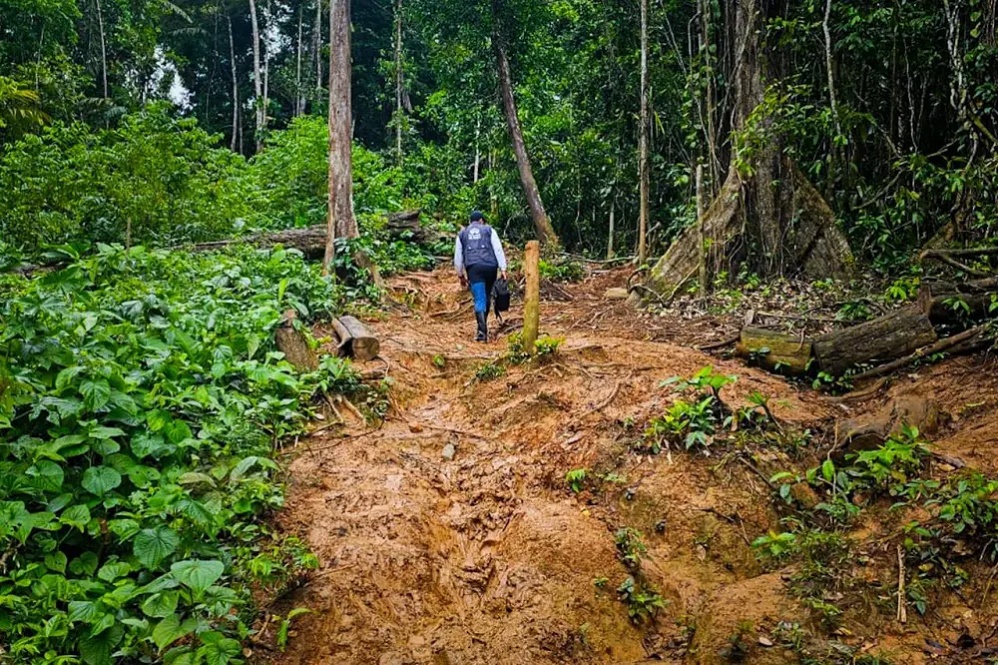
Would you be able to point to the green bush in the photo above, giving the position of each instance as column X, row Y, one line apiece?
column 141, row 396
column 159, row 178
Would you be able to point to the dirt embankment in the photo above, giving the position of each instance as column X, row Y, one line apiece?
column 448, row 535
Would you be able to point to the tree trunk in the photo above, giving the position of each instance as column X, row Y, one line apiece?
column 887, row 338
column 643, row 170
column 257, row 76
column 829, row 66
column 767, row 213
column 266, row 68
column 542, row 224
column 235, row 91
column 299, row 99
column 317, row 50
column 341, row 221
column 777, row 352
column 613, row 223
column 103, row 47
column 399, row 81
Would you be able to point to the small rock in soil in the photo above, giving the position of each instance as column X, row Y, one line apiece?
column 449, row 452
column 765, row 641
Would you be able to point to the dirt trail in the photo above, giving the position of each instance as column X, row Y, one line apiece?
column 449, row 536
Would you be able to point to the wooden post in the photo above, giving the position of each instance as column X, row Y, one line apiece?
column 532, row 304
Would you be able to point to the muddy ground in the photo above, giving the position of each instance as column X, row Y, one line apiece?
column 448, row 535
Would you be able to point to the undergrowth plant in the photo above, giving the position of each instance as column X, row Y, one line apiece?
column 141, row 398
column 643, row 602
column 695, row 416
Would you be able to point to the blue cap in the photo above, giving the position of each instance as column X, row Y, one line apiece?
column 477, row 216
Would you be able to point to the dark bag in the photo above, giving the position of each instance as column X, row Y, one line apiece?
column 500, row 297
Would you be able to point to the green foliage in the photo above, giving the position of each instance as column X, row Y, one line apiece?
column 153, row 178
column 20, row 109
column 630, row 547
column 562, row 270
column 490, row 371
column 142, row 395
column 576, row 479
column 775, row 545
column 545, row 348
column 691, row 422
column 643, row 602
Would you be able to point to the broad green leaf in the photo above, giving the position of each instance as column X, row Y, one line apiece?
column 123, row 528
column 219, row 650
column 78, row 516
column 197, row 574
column 46, row 476
column 161, row 605
column 105, row 432
column 97, row 650
column 177, row 431
column 151, row 546
column 84, row 611
column 168, row 631
column 109, row 572
column 96, row 394
column 84, row 565
column 100, row 480
column 248, row 463
column 179, row 656
column 157, row 419
column 195, row 478
column 56, row 561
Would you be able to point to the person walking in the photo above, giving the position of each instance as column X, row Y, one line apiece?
column 479, row 259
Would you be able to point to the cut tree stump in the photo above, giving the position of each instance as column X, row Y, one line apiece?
column 787, row 354
column 294, row 344
column 890, row 337
column 356, row 340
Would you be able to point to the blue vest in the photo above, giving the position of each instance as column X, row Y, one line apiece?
column 476, row 240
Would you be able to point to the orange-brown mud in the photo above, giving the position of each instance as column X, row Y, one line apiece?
column 448, row 534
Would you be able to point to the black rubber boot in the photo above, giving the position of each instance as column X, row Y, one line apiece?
column 483, row 327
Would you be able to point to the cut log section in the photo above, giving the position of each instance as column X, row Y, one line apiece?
column 294, row 344
column 406, row 225
column 887, row 338
column 355, row 339
column 775, row 351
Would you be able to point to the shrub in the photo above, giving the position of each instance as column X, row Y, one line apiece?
column 141, row 396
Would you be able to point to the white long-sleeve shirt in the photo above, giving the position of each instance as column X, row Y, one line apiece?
column 496, row 249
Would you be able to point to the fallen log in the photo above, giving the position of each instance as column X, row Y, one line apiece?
column 293, row 343
column 979, row 251
column 311, row 241
column 884, row 339
column 355, row 339
column 946, row 303
column 939, row 347
column 775, row 351
column 406, row 225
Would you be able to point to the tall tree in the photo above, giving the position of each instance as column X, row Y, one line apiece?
column 236, row 125
column 341, row 222
column 644, row 171
column 542, row 223
column 767, row 214
column 258, row 101
column 399, row 81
